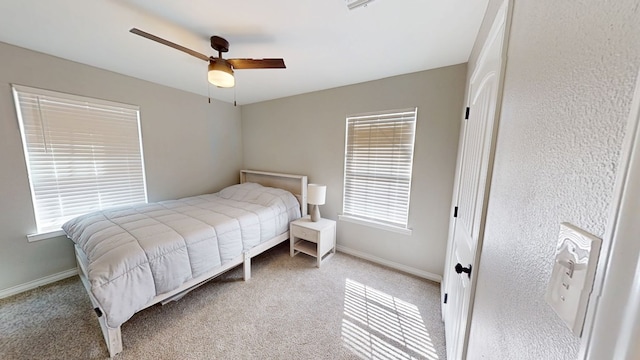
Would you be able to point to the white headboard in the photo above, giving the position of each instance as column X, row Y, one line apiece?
column 295, row 184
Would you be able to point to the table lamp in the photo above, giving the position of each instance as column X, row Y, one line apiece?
column 316, row 196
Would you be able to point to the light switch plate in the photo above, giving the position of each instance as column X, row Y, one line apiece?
column 572, row 276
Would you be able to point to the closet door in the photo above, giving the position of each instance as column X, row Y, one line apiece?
column 472, row 188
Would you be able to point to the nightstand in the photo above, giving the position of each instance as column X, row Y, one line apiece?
column 313, row 238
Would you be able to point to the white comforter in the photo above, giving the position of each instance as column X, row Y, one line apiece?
column 138, row 252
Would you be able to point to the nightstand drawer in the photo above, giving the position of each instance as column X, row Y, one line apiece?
column 307, row 234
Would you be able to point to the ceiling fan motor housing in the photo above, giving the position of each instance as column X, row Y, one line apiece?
column 219, row 44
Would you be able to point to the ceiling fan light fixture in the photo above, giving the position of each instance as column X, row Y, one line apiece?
column 221, row 74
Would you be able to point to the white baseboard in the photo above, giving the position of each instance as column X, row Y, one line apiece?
column 391, row 264
column 37, row 283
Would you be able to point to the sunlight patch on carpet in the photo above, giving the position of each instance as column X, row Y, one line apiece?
column 377, row 325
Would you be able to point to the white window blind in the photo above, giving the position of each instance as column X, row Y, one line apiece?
column 378, row 163
column 82, row 154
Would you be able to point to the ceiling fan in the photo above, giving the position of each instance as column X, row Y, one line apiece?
column 220, row 70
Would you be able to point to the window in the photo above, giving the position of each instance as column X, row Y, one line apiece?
column 377, row 167
column 82, row 154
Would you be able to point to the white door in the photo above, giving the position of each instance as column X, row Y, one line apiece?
column 472, row 188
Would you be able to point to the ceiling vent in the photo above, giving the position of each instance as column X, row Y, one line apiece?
column 352, row 4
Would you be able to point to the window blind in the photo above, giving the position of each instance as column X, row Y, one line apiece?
column 82, row 154
column 378, row 164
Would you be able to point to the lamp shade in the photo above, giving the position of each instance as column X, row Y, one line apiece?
column 221, row 74
column 316, row 194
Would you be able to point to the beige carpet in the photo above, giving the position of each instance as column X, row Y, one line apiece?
column 348, row 309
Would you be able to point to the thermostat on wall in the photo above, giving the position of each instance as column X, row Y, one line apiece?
column 572, row 276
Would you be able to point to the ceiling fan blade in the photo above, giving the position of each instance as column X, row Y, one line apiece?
column 169, row 43
column 257, row 63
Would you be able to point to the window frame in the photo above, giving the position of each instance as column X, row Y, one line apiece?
column 47, row 233
column 372, row 221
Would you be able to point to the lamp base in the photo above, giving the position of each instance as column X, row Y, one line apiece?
column 315, row 213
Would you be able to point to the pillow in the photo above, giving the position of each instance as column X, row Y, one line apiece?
column 238, row 191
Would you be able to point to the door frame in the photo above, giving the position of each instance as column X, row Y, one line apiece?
column 612, row 324
column 504, row 14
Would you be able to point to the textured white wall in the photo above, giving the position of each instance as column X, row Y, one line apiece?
column 570, row 73
column 190, row 147
column 305, row 134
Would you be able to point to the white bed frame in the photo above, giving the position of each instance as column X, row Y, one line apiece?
column 296, row 184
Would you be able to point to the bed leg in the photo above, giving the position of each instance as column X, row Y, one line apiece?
column 247, row 266
column 112, row 336
column 115, row 341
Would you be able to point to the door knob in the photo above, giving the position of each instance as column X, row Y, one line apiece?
column 461, row 269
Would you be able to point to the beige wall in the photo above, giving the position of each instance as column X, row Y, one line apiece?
column 570, row 74
column 190, row 147
column 305, row 134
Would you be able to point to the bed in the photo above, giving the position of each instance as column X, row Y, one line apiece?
column 158, row 252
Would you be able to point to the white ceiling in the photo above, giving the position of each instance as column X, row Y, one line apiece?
column 324, row 44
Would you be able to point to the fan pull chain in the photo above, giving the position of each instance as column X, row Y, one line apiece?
column 209, row 91
column 234, row 96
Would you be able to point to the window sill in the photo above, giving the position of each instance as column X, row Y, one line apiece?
column 395, row 229
column 45, row 235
